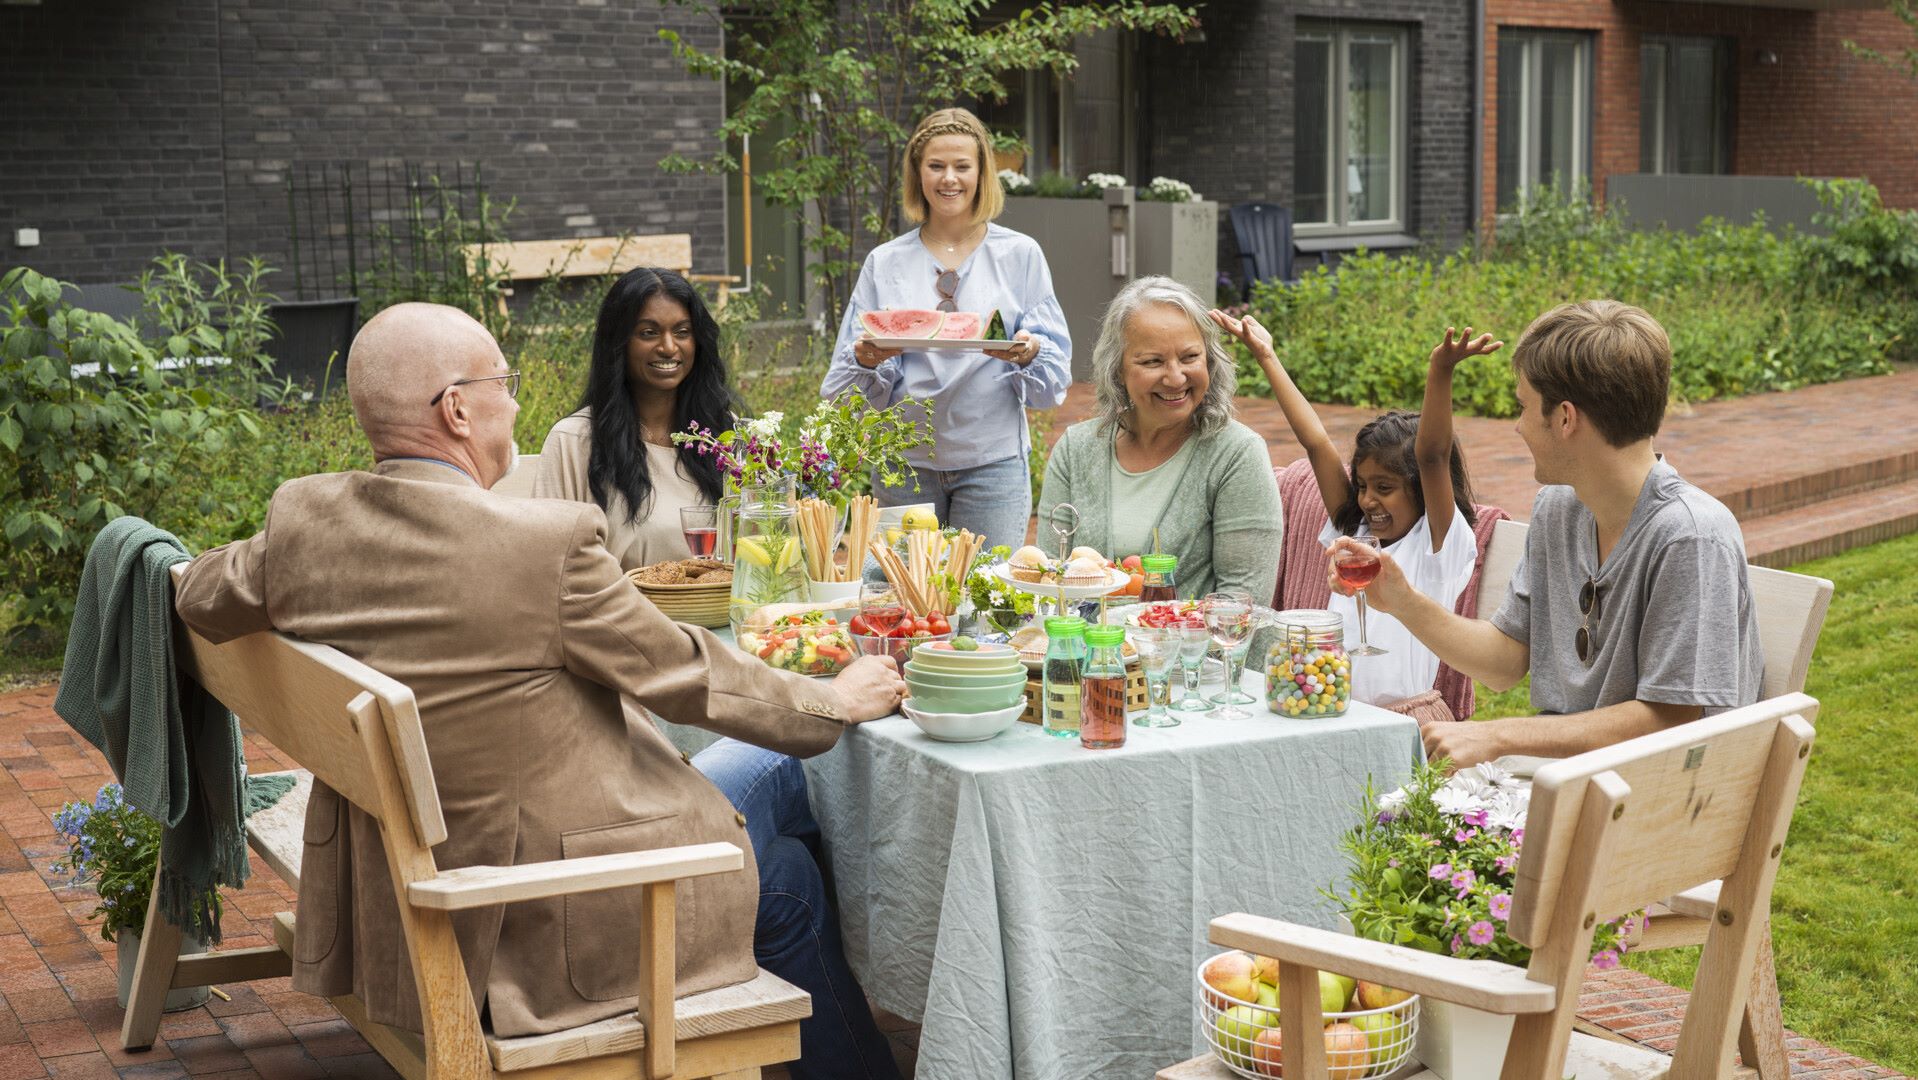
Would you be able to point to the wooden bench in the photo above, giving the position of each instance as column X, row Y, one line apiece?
column 360, row 732
column 1791, row 612
column 1608, row 832
column 593, row 256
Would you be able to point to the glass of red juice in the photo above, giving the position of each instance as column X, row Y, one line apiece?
column 1357, row 563
column 700, row 526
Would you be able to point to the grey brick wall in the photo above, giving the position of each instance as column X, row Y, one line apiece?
column 142, row 126
column 109, row 135
column 1218, row 113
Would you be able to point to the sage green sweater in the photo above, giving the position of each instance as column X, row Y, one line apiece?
column 1224, row 521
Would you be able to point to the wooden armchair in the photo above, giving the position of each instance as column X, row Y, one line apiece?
column 359, row 731
column 1791, row 612
column 1609, row 832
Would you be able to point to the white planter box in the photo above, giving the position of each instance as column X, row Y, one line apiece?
column 1461, row 1043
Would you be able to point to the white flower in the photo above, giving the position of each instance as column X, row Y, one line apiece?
column 1105, row 180
column 1165, row 188
column 1494, row 776
column 1470, row 783
column 764, row 427
column 1507, row 809
column 1014, row 180
column 1455, row 802
column 1393, row 801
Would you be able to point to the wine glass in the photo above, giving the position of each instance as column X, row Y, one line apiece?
column 1228, row 617
column 1158, row 652
column 1357, row 564
column 1192, row 643
column 880, row 613
column 700, row 526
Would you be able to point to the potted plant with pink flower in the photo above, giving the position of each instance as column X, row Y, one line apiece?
column 1433, row 867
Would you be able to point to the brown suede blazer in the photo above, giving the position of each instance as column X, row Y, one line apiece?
column 514, row 628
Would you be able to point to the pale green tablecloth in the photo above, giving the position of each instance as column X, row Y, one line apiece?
column 1041, row 908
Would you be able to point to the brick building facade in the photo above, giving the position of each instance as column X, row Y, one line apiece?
column 1796, row 102
column 128, row 127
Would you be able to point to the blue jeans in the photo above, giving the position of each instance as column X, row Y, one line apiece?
column 797, row 935
column 993, row 500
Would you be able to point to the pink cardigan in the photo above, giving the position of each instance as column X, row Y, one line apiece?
column 1302, row 581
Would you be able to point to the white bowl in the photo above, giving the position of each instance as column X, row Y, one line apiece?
column 964, row 727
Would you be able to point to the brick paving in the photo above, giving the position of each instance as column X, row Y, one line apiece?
column 1785, row 463
column 58, row 1016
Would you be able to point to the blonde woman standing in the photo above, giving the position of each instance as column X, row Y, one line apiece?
column 975, row 474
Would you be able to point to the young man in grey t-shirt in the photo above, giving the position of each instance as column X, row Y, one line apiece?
column 1631, row 607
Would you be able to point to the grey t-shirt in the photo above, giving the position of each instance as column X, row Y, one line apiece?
column 1675, row 619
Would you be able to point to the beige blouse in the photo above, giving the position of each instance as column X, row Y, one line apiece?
column 655, row 536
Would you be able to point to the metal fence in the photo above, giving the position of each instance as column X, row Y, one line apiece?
column 384, row 230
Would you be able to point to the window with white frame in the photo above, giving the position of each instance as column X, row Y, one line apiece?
column 1349, row 110
column 1544, row 110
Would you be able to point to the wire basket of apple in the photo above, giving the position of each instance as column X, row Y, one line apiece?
column 1369, row 1029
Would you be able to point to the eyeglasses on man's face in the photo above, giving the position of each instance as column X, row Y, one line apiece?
column 511, row 379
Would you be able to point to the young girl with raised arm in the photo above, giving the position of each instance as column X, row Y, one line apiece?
column 1406, row 487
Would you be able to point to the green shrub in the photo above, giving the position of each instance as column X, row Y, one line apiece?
column 77, row 450
column 1748, row 309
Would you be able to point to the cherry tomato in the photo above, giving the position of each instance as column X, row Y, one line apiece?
column 938, row 625
column 860, row 626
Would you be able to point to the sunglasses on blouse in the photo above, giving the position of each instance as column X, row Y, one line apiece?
column 1589, row 602
column 948, row 285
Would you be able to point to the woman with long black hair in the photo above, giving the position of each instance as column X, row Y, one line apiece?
column 655, row 369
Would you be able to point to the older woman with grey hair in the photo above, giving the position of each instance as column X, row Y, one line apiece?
column 1164, row 454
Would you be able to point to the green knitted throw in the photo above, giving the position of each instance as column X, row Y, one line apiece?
column 175, row 748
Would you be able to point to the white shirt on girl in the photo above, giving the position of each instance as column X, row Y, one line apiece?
column 1408, row 668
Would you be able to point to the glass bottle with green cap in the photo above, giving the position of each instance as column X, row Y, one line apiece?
column 1064, row 669
column 1160, row 570
column 1102, row 719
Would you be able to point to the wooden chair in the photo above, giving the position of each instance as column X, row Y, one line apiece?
column 1791, row 612
column 359, row 731
column 593, row 256
column 1609, row 832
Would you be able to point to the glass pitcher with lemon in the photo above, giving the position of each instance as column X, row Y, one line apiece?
column 768, row 565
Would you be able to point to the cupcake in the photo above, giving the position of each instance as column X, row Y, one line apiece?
column 1028, row 563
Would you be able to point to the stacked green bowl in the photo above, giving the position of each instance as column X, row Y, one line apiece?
column 943, row 678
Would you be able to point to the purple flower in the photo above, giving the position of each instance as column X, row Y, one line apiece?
column 1386, row 817
column 1394, row 864
column 1440, row 872
column 1481, row 933
column 1605, row 959
column 1457, row 944
column 1463, row 835
column 1475, row 817
column 1502, row 906
column 1518, row 837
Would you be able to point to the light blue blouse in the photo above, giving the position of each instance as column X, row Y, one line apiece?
column 978, row 401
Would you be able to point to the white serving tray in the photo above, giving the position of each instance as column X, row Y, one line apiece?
column 917, row 344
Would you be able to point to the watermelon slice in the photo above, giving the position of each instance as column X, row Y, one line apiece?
column 963, row 325
column 996, row 329
column 903, row 323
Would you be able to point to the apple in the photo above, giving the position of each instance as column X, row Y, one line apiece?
column 1237, row 1028
column 1268, row 995
column 1231, row 974
column 1374, row 996
column 1350, row 985
column 1347, row 1056
column 1382, row 1032
column 1132, row 563
column 1265, row 969
column 1332, row 993
column 1266, row 1060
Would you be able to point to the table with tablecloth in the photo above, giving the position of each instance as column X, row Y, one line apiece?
column 1040, row 908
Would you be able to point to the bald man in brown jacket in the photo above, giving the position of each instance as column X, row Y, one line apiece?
column 517, row 632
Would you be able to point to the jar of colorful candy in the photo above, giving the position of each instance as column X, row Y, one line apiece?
column 1307, row 672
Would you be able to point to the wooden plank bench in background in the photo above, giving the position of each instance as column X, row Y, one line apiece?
column 594, row 256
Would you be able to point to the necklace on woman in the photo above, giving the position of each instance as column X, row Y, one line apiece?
column 954, row 247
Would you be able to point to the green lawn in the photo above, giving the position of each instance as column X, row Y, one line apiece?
column 1845, row 910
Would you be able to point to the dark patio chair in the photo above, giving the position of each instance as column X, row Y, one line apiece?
column 1264, row 234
